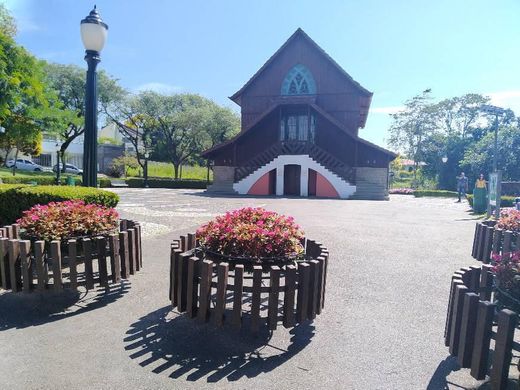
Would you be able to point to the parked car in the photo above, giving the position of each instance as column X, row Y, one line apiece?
column 69, row 168
column 25, row 165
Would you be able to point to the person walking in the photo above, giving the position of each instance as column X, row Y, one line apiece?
column 479, row 195
column 462, row 186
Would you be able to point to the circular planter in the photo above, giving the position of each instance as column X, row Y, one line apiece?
column 32, row 265
column 212, row 289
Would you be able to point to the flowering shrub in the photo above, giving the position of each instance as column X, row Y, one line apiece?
column 254, row 233
column 509, row 220
column 63, row 220
column 507, row 272
column 401, row 191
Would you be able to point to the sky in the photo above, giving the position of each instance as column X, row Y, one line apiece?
column 396, row 49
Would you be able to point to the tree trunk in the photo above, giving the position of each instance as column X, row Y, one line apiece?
column 207, row 174
column 62, row 160
column 14, row 165
column 175, row 170
column 180, row 172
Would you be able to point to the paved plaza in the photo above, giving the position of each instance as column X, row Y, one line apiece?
column 382, row 327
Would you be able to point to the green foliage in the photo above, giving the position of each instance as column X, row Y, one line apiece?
column 43, row 178
column 435, row 193
column 7, row 22
column 14, row 199
column 165, row 170
column 505, row 201
column 123, row 163
column 134, row 182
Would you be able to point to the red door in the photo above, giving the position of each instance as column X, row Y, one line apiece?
column 291, row 180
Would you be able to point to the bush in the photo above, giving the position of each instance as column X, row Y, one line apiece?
column 505, row 201
column 50, row 180
column 509, row 220
column 252, row 233
column 135, row 182
column 65, row 220
column 401, row 191
column 14, row 199
column 436, row 193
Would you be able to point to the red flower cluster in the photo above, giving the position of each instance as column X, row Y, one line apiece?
column 63, row 220
column 506, row 269
column 509, row 220
column 401, row 191
column 254, row 233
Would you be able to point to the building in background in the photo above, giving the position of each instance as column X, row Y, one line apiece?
column 301, row 114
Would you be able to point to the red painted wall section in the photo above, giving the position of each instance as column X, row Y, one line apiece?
column 324, row 188
column 261, row 186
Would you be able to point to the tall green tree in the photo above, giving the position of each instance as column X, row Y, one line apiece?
column 7, row 22
column 412, row 126
column 69, row 82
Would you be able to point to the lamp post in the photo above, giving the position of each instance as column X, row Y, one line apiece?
column 496, row 111
column 58, row 165
column 146, row 156
column 93, row 34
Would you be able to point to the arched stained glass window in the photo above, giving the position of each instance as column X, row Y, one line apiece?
column 298, row 81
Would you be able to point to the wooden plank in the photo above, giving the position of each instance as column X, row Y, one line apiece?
column 474, row 278
column 507, row 321
column 302, row 303
column 131, row 250
column 506, row 245
column 488, row 244
column 486, row 282
column 182, row 279
column 56, row 265
column 39, row 248
column 458, row 307
column 184, row 244
column 115, row 258
column 25, row 260
column 455, row 279
column 467, row 331
column 10, row 232
column 289, row 318
column 321, row 274
column 191, row 240
column 220, row 307
column 3, row 232
column 325, row 280
column 497, row 240
column 238, row 287
column 89, row 270
column 205, row 290
column 255, row 300
column 481, row 242
column 193, row 286
column 313, row 293
column 176, row 253
column 73, row 264
column 123, row 225
column 16, row 231
column 14, row 265
column 124, row 254
column 102, row 261
column 480, row 230
column 137, row 255
column 5, row 279
column 475, row 240
column 139, row 245
column 483, row 332
column 274, row 293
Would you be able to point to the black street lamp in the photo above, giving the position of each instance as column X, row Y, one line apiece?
column 93, row 34
column 496, row 111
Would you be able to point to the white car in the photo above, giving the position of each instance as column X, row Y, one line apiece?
column 25, row 165
column 69, row 168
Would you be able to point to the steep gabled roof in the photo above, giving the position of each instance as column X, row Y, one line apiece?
column 298, row 33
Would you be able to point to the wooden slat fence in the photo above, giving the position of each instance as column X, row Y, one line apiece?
column 489, row 239
column 38, row 266
column 470, row 327
column 223, row 293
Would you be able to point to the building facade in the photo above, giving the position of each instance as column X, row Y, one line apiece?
column 301, row 114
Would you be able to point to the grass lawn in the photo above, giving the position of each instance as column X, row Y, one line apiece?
column 8, row 172
column 160, row 169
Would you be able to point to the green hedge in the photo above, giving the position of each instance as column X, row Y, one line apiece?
column 505, row 201
column 136, row 182
column 437, row 193
column 16, row 198
column 49, row 180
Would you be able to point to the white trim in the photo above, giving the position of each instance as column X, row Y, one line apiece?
column 344, row 189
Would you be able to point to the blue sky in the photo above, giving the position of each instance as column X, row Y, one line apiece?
column 394, row 48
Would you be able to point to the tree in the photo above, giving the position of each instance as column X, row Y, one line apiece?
column 7, row 22
column 412, row 126
column 69, row 83
column 123, row 163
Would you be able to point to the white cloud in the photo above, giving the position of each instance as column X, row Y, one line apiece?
column 386, row 110
column 507, row 99
column 159, row 87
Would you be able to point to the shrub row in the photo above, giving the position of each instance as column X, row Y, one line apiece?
column 16, row 198
column 437, row 193
column 136, row 182
column 49, row 180
column 505, row 201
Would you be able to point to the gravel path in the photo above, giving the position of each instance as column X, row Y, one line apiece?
column 382, row 326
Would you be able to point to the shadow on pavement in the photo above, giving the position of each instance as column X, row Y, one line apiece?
column 181, row 346
column 21, row 310
column 439, row 379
